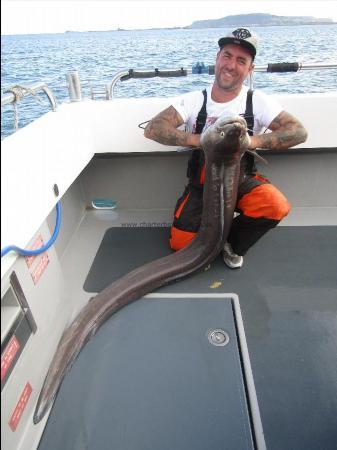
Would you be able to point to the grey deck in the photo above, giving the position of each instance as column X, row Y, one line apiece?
column 288, row 295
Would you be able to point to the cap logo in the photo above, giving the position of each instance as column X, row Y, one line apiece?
column 241, row 33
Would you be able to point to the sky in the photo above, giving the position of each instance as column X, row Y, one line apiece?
column 48, row 16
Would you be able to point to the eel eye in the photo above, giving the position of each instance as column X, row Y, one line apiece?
column 222, row 133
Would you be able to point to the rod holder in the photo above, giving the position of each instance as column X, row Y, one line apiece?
column 74, row 86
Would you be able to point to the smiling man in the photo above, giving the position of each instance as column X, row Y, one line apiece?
column 261, row 206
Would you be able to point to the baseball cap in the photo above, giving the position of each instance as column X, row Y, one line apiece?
column 243, row 37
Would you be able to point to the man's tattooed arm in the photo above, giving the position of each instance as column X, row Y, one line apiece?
column 163, row 129
column 286, row 131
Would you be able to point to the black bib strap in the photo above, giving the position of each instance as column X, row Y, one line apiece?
column 202, row 115
column 196, row 160
column 247, row 161
column 248, row 115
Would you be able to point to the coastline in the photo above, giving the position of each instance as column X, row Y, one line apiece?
column 119, row 30
column 189, row 27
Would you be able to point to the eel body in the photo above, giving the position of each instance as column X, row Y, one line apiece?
column 223, row 144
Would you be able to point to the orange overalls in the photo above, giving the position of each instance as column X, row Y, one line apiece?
column 261, row 206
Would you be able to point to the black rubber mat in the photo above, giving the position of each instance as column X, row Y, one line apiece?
column 286, row 256
column 287, row 290
column 124, row 249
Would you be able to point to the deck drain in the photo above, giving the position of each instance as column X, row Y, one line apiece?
column 218, row 337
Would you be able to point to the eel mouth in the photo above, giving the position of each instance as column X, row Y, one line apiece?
column 234, row 129
column 231, row 127
column 233, row 132
column 226, row 131
column 222, row 121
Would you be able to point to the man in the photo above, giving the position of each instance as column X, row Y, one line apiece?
column 260, row 204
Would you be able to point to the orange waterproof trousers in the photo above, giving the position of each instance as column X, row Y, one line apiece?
column 261, row 206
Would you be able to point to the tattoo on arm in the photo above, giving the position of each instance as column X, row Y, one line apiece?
column 286, row 131
column 163, row 128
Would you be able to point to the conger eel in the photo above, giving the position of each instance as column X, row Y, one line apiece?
column 223, row 143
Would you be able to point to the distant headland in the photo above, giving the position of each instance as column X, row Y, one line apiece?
column 241, row 20
column 259, row 20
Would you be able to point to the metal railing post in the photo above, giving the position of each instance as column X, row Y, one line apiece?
column 74, row 86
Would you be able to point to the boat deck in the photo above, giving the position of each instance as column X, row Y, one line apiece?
column 287, row 292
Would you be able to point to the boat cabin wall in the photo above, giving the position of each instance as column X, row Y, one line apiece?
column 145, row 188
column 146, row 181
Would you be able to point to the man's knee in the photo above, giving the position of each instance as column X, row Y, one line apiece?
column 265, row 201
column 281, row 209
column 180, row 239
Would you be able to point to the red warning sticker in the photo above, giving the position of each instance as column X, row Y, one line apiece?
column 8, row 355
column 40, row 268
column 37, row 244
column 20, row 407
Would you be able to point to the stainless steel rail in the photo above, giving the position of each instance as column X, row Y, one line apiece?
column 10, row 97
column 124, row 75
column 301, row 66
column 119, row 75
column 74, row 84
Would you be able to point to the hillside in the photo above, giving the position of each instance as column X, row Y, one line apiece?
column 258, row 20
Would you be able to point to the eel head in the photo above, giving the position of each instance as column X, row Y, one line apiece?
column 228, row 136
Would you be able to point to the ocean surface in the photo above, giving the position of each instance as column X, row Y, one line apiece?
column 97, row 56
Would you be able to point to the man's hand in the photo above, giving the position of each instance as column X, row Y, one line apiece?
column 286, row 132
column 163, row 129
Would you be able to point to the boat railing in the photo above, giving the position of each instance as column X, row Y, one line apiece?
column 17, row 92
column 201, row 68
column 14, row 95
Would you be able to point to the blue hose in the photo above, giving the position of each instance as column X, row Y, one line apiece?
column 23, row 252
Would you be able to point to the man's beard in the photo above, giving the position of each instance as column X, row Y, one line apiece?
column 226, row 85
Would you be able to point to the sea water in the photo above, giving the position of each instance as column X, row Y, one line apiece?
column 97, row 56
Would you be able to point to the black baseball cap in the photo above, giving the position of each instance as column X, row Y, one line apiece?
column 243, row 37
